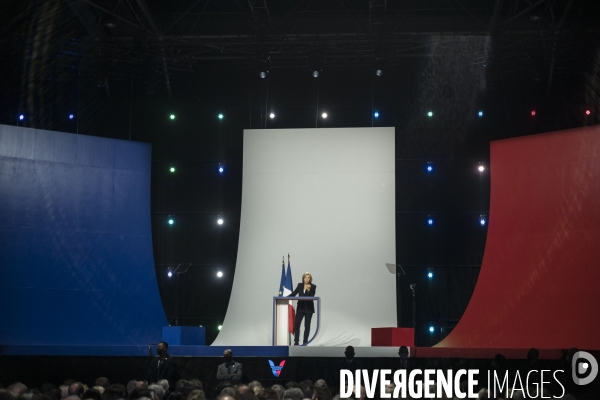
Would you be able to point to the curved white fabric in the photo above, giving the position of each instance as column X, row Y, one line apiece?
column 326, row 196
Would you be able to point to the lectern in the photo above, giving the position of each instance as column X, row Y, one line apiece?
column 281, row 335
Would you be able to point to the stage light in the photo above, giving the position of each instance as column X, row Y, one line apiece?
column 71, row 116
column 431, row 329
column 378, row 72
column 315, row 74
column 219, row 327
column 430, row 274
column 262, row 74
column 376, row 114
column 429, row 221
column 587, row 112
column 172, row 169
column 21, row 117
column 324, row 115
column 171, row 221
column 172, row 116
column 221, row 168
column 219, row 274
column 429, row 167
column 480, row 113
column 482, row 219
column 220, row 221
column 533, row 113
column 272, row 115
column 221, row 116
column 481, row 168
column 170, row 273
column 430, row 114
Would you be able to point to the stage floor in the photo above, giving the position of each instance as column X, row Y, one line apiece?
column 274, row 351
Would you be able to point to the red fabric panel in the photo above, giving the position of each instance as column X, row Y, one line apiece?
column 394, row 337
column 539, row 280
column 291, row 318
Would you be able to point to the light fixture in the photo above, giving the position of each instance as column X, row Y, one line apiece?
column 172, row 116
column 172, row 169
column 376, row 114
column 71, row 116
column 221, row 116
column 378, row 72
column 430, row 114
column 272, row 115
column 315, row 74
column 431, row 329
column 324, row 115
column 533, row 113
column 221, row 168
column 481, row 168
column 220, row 221
column 587, row 112
column 480, row 113
column 219, row 274
column 262, row 74
column 170, row 273
column 429, row 167
column 429, row 273
column 430, row 221
column 21, row 117
column 482, row 219
column 171, row 221
column 219, row 327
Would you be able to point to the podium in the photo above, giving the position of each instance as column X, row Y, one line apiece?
column 281, row 335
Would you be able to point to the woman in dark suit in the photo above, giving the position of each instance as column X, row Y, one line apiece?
column 305, row 309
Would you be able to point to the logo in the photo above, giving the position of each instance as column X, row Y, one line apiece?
column 583, row 364
column 276, row 369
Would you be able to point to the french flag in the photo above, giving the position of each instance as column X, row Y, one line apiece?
column 287, row 290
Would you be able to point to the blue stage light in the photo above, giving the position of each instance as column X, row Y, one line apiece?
column 480, row 113
column 21, row 117
column 430, row 274
column 482, row 220
column 429, row 221
column 171, row 221
column 430, row 114
column 221, row 116
column 170, row 273
column 429, row 168
column 221, row 169
column 431, row 329
column 71, row 116
column 376, row 114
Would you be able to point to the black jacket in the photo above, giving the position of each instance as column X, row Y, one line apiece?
column 167, row 370
column 305, row 306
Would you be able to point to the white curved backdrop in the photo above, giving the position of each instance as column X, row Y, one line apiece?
column 326, row 196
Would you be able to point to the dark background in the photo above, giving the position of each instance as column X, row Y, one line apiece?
column 122, row 72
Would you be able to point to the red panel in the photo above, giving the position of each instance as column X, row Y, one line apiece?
column 539, row 281
column 395, row 337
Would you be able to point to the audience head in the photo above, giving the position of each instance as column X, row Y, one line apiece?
column 321, row 393
column 130, row 386
column 158, row 391
column 92, row 394
column 403, row 352
column 243, row 389
column 267, row 394
column 162, row 348
column 76, row 389
column 196, row 394
column 294, row 393
column 291, row 384
column 255, row 387
column 349, row 353
column 279, row 390
column 114, row 392
column 533, row 355
column 17, row 388
column 103, row 382
column 307, row 389
column 140, row 393
column 165, row 385
column 228, row 391
column 321, row 383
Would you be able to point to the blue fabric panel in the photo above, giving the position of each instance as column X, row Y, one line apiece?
column 75, row 241
column 184, row 335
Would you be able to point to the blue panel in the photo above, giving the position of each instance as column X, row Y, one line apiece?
column 184, row 335
column 75, row 241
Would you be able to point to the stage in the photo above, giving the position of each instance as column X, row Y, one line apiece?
column 278, row 351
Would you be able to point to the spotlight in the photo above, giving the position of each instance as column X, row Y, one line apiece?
column 430, row 274
column 533, row 113
column 262, row 74
column 482, row 220
column 172, row 169
column 315, row 74
column 376, row 114
column 378, row 72
column 429, row 221
column 21, row 117
column 480, row 113
column 481, row 168
column 272, row 115
column 587, row 112
column 220, row 221
column 71, row 116
column 170, row 273
column 172, row 116
column 221, row 116
column 221, row 168
column 171, row 221
column 429, row 167
column 430, row 114
column 219, row 274
column 431, row 329
column 219, row 327
column 324, row 115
